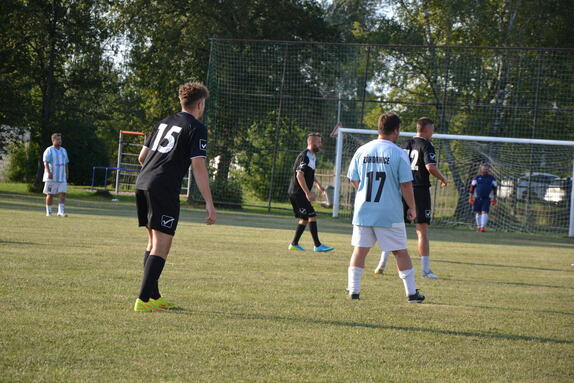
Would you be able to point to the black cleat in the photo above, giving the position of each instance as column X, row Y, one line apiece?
column 354, row 296
column 416, row 297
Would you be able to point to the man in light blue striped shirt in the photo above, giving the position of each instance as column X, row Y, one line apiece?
column 55, row 174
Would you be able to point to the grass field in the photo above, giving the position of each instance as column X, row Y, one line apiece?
column 252, row 312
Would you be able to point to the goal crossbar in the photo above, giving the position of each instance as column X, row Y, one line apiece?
column 339, row 157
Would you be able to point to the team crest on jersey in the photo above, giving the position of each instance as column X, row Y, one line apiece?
column 302, row 210
column 203, row 144
column 428, row 213
column 167, row 221
column 432, row 156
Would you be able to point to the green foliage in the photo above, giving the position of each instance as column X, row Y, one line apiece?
column 85, row 151
column 227, row 191
column 22, row 162
column 257, row 158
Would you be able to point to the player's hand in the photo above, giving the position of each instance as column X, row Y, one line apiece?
column 411, row 214
column 211, row 215
column 310, row 196
column 444, row 183
column 493, row 202
column 49, row 176
column 471, row 201
column 323, row 190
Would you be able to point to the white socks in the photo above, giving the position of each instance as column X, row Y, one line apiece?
column 408, row 277
column 61, row 208
column 484, row 219
column 354, row 275
column 48, row 210
column 425, row 264
column 481, row 220
column 383, row 262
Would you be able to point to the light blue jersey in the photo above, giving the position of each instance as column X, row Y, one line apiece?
column 380, row 167
column 57, row 160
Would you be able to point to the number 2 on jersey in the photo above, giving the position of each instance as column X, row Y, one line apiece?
column 414, row 154
column 170, row 137
column 371, row 176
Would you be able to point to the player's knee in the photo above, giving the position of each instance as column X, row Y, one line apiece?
column 312, row 219
column 303, row 222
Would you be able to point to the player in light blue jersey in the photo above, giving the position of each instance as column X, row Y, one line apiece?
column 381, row 173
column 56, row 173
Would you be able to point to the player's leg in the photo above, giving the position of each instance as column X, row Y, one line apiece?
column 319, row 247
column 301, row 214
column 407, row 274
column 61, row 202
column 484, row 219
column 49, row 197
column 383, row 262
column 485, row 208
column 148, row 247
column 478, row 218
column 424, row 249
column 362, row 240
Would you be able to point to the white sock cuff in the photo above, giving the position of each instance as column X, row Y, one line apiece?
column 354, row 279
column 406, row 273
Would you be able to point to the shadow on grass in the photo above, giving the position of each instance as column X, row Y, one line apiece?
column 2, row 242
column 505, row 283
column 469, row 334
column 504, row 266
column 514, row 309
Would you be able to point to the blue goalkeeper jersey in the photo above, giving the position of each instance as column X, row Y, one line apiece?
column 380, row 166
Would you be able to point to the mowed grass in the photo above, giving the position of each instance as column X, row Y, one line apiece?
column 253, row 312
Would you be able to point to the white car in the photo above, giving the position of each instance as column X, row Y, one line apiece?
column 539, row 183
column 559, row 190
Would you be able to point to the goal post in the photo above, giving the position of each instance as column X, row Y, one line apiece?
column 523, row 167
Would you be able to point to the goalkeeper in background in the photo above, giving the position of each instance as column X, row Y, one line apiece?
column 482, row 187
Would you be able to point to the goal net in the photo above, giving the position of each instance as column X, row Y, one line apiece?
column 534, row 180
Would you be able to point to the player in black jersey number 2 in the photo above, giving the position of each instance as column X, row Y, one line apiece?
column 423, row 162
column 176, row 142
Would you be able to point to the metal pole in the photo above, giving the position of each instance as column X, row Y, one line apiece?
column 119, row 162
column 339, row 109
column 365, row 86
column 277, row 128
column 532, row 134
column 338, row 160
column 571, row 227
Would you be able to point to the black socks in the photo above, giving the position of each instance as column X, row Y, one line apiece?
column 298, row 233
column 152, row 271
column 314, row 233
column 146, row 256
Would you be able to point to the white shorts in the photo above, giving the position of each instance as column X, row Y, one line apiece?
column 52, row 187
column 389, row 238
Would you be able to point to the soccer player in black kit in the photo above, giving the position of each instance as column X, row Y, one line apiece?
column 175, row 143
column 423, row 162
column 300, row 194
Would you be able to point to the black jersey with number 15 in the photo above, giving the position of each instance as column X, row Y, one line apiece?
column 421, row 153
column 172, row 144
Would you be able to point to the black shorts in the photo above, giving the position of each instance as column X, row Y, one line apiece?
column 423, row 203
column 302, row 208
column 158, row 210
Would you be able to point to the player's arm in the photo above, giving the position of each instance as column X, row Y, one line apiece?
column 355, row 184
column 409, row 197
column 202, row 179
column 494, row 189
column 143, row 154
column 321, row 188
column 301, row 180
column 67, row 173
column 471, row 194
column 433, row 169
column 47, row 168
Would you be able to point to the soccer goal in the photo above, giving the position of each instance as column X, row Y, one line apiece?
column 127, row 165
column 535, row 179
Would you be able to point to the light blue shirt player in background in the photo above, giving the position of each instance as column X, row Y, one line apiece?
column 56, row 174
column 381, row 174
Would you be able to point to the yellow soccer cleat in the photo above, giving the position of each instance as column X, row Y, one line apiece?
column 147, row 307
column 163, row 303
